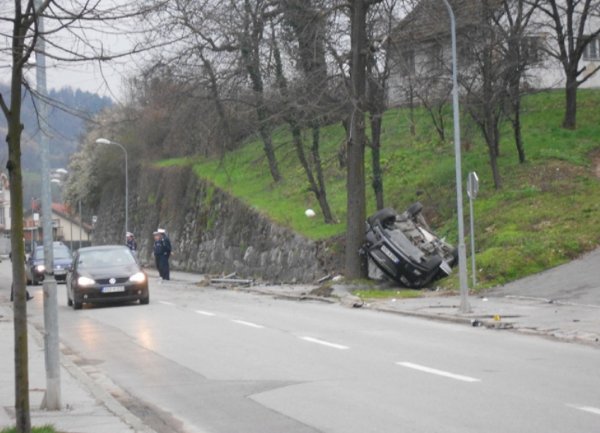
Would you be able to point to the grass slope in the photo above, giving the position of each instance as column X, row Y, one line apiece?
column 547, row 212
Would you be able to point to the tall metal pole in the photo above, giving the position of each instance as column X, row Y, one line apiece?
column 462, row 253
column 106, row 141
column 52, row 397
column 80, row 222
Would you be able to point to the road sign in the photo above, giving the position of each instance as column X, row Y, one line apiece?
column 472, row 185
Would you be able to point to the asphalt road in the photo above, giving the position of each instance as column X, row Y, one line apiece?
column 206, row 360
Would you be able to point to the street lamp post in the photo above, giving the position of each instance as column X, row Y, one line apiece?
column 106, row 141
column 462, row 254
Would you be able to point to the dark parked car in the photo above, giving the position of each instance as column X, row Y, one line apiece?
column 35, row 268
column 106, row 274
column 405, row 248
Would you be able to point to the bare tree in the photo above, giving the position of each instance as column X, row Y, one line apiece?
column 569, row 21
column 24, row 36
column 380, row 26
column 520, row 52
column 296, row 112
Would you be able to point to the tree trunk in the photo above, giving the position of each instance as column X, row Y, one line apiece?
column 516, row 123
column 321, row 189
column 376, row 160
column 356, row 263
column 570, row 119
column 13, row 117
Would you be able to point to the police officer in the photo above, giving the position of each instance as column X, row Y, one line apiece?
column 166, row 253
column 162, row 251
column 131, row 242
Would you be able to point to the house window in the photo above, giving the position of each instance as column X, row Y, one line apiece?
column 435, row 58
column 531, row 49
column 592, row 50
column 408, row 62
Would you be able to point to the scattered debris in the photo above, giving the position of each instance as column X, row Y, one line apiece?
column 323, row 279
column 236, row 281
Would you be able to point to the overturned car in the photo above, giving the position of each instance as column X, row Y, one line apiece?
column 405, row 248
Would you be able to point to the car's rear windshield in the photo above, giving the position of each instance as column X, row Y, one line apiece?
column 59, row 252
column 105, row 258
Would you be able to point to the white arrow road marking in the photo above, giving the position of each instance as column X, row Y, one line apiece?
column 325, row 343
column 438, row 372
column 167, row 303
column 205, row 313
column 250, row 324
column 589, row 409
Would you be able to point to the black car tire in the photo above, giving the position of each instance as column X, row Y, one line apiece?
column 385, row 216
column 145, row 301
column 414, row 209
column 77, row 305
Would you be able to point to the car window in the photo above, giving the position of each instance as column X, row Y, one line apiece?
column 104, row 258
column 59, row 252
column 62, row 253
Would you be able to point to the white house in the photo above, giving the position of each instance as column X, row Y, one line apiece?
column 422, row 49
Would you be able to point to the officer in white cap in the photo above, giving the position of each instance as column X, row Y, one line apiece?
column 131, row 242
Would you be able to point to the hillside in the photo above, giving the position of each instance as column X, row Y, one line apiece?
column 547, row 212
column 67, row 118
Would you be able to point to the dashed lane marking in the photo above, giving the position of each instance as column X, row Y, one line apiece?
column 167, row 303
column 325, row 343
column 205, row 313
column 588, row 409
column 249, row 324
column 438, row 372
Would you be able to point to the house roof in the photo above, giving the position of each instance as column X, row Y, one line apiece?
column 65, row 212
column 430, row 19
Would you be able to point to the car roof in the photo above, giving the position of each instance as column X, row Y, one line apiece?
column 103, row 248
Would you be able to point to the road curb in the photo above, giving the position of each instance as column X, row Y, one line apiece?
column 100, row 394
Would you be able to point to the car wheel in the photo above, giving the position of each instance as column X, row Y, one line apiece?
column 77, row 305
column 414, row 209
column 145, row 301
column 385, row 217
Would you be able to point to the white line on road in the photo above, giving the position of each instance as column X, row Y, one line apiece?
column 205, row 313
column 438, row 372
column 250, row 324
column 324, row 343
column 167, row 303
column 589, row 409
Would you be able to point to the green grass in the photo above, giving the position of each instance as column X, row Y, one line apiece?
column 547, row 212
column 43, row 429
column 391, row 293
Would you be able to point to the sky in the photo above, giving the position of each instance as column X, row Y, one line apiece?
column 106, row 78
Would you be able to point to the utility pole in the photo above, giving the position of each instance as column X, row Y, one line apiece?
column 52, row 397
column 465, row 307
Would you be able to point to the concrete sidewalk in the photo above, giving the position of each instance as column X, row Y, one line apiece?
column 86, row 406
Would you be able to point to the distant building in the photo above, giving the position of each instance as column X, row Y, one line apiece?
column 422, row 49
column 66, row 226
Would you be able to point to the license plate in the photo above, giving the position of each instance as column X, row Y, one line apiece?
column 113, row 289
column 385, row 250
column 446, row 268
